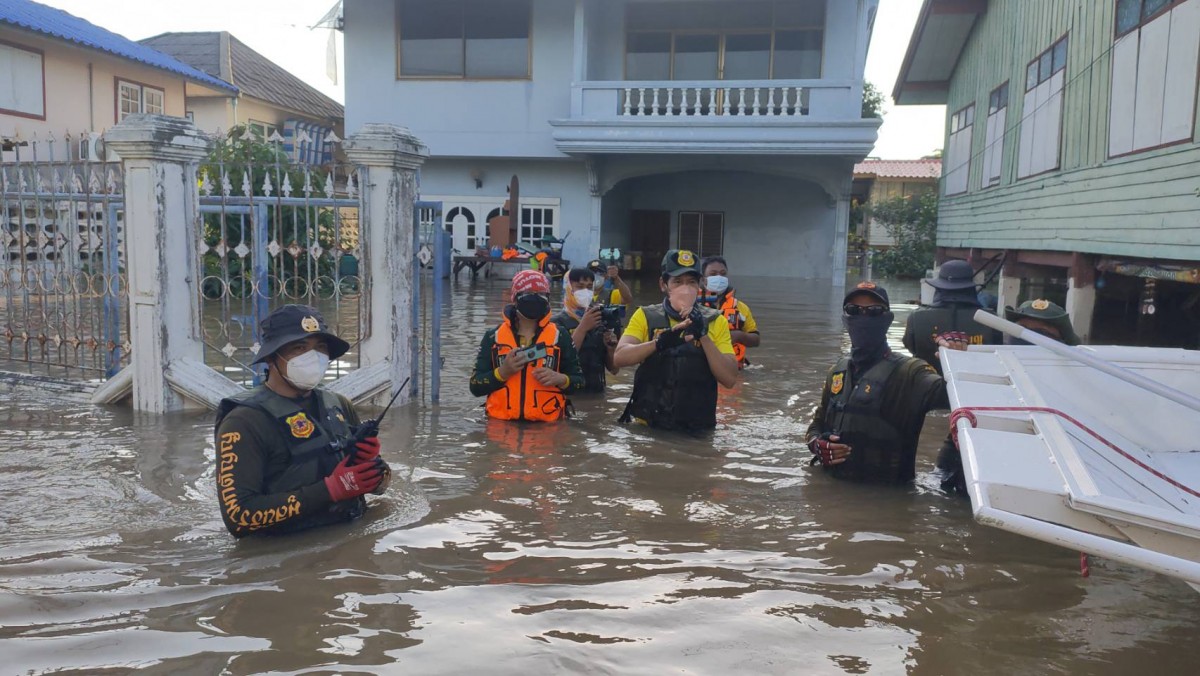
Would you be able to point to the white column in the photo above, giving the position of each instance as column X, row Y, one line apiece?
column 841, row 234
column 1081, row 305
column 162, row 221
column 1009, row 291
column 389, row 157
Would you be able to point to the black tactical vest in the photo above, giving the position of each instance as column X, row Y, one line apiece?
column 928, row 322
column 854, row 414
column 313, row 455
column 674, row 390
column 592, row 354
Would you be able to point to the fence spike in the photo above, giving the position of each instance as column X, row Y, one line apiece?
column 275, row 137
column 247, row 189
column 56, row 180
column 206, row 186
column 286, row 188
column 267, row 187
column 111, row 182
column 307, row 182
column 329, row 185
column 246, row 134
column 332, row 137
column 352, row 185
column 76, row 182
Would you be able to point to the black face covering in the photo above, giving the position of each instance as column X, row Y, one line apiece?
column 533, row 306
column 944, row 297
column 868, row 337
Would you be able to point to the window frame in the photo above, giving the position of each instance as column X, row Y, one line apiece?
column 267, row 128
column 42, row 58
column 1025, row 117
column 1049, row 51
column 1143, row 20
column 988, row 181
column 702, row 216
column 141, row 87
column 956, row 126
column 464, row 77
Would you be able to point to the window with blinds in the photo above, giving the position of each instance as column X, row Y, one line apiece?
column 702, row 232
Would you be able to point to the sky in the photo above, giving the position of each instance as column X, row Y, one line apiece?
column 279, row 30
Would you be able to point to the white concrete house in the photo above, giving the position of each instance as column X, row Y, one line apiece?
column 729, row 127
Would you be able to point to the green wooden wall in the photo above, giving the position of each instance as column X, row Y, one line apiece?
column 1146, row 204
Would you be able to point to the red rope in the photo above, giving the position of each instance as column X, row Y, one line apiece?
column 968, row 413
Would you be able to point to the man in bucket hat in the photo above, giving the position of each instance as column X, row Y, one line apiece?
column 286, row 458
column 951, row 317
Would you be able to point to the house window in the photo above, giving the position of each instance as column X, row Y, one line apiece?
column 993, row 149
column 137, row 98
column 23, row 73
column 460, row 221
column 1041, row 116
column 724, row 40
column 262, row 130
column 1154, row 68
column 537, row 223
column 702, row 232
column 958, row 157
column 473, row 39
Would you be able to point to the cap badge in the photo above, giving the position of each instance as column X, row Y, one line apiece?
column 310, row 324
column 866, row 285
column 1040, row 304
column 686, row 258
column 301, row 426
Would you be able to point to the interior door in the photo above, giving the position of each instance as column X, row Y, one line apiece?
column 651, row 234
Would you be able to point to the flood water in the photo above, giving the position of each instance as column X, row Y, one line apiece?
column 580, row 547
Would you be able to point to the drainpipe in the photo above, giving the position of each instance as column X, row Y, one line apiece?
column 91, row 101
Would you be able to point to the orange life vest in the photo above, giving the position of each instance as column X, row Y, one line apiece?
column 730, row 309
column 523, row 397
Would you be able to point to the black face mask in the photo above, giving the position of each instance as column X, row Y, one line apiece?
column 532, row 306
column 868, row 337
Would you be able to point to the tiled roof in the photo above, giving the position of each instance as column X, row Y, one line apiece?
column 221, row 55
column 928, row 169
column 56, row 23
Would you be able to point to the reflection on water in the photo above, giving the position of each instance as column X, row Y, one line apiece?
column 581, row 547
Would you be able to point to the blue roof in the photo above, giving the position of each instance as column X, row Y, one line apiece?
column 56, row 23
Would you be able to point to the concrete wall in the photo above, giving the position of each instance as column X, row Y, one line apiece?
column 774, row 226
column 77, row 101
column 458, row 118
column 211, row 114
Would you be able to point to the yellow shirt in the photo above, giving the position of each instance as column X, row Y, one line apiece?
column 718, row 331
column 748, row 323
column 614, row 298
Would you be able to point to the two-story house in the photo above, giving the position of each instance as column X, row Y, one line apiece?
column 268, row 100
column 728, row 127
column 60, row 74
column 1072, row 149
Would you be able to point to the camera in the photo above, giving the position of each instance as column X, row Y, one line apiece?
column 612, row 317
column 610, row 257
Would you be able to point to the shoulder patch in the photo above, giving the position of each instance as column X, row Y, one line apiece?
column 838, row 382
column 301, row 426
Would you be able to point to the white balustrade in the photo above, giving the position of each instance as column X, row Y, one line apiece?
column 707, row 99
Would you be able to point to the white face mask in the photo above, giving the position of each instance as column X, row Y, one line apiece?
column 306, row 371
column 583, row 297
column 716, row 284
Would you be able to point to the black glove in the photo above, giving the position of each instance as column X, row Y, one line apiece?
column 667, row 340
column 820, row 450
column 699, row 326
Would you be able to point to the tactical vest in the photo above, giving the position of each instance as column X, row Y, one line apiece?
column 854, row 413
column 928, row 322
column 593, row 354
column 523, row 397
column 675, row 389
column 315, row 447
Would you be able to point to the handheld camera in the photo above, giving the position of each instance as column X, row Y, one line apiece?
column 535, row 352
column 612, row 317
column 610, row 257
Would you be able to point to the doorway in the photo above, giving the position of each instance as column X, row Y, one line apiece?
column 651, row 235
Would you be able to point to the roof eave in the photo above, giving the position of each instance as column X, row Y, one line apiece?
column 933, row 92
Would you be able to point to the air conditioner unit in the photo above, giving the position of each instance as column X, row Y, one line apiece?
column 92, row 149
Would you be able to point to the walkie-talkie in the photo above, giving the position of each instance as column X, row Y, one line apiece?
column 369, row 428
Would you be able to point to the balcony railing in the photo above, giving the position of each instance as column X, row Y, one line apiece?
column 794, row 99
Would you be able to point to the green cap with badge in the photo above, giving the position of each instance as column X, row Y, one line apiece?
column 1045, row 311
column 680, row 262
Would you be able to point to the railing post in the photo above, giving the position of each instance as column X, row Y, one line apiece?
column 389, row 156
column 162, row 221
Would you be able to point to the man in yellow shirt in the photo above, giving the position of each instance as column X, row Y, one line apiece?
column 682, row 350
column 743, row 330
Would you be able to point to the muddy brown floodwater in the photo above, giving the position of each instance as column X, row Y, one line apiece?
column 583, row 547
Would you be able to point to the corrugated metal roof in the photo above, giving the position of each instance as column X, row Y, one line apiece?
column 927, row 169
column 221, row 55
column 56, row 23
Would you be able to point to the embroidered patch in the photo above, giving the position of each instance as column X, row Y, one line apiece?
column 687, row 258
column 301, row 426
column 866, row 285
column 341, row 417
column 310, row 324
column 1040, row 305
column 839, row 380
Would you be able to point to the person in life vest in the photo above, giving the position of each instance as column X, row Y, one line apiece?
column 595, row 342
column 682, row 350
column 874, row 401
column 955, row 301
column 743, row 330
column 527, row 366
column 286, row 459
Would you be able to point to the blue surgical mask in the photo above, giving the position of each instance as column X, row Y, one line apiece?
column 716, row 284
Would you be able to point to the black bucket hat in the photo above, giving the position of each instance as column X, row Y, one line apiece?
column 954, row 275
column 290, row 323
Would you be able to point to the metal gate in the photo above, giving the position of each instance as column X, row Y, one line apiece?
column 275, row 233
column 63, row 285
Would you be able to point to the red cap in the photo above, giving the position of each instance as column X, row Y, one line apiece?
column 527, row 281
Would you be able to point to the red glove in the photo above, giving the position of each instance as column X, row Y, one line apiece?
column 368, row 450
column 350, row 481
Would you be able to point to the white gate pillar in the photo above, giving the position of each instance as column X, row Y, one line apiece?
column 162, row 219
column 389, row 157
